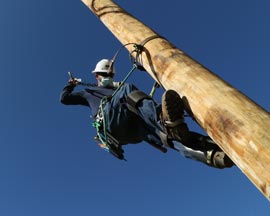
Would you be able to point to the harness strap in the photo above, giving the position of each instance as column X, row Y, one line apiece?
column 136, row 96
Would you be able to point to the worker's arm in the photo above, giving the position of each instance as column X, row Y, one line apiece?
column 67, row 96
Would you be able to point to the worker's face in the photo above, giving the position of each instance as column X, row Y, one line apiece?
column 98, row 78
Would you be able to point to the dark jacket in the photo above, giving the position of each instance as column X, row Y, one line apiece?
column 125, row 126
column 90, row 97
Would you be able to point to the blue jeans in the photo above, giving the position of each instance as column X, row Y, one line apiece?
column 128, row 127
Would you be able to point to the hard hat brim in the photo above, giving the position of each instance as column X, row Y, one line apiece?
column 101, row 71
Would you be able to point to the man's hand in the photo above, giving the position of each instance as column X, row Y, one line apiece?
column 73, row 81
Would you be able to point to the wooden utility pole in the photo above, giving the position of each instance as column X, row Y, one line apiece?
column 237, row 124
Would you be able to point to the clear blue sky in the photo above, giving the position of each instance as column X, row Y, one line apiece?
column 49, row 162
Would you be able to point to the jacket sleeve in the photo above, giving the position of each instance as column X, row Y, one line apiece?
column 68, row 97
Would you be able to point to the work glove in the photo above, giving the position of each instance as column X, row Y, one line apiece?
column 73, row 81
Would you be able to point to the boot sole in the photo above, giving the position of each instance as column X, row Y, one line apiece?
column 172, row 108
column 173, row 111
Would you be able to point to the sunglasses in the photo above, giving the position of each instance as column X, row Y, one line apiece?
column 103, row 74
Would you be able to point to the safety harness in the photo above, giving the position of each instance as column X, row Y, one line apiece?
column 107, row 141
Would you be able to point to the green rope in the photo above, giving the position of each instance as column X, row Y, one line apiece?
column 125, row 79
column 103, row 119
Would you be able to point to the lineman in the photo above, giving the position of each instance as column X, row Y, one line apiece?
column 131, row 116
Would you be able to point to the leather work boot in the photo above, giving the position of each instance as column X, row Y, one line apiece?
column 219, row 159
column 173, row 116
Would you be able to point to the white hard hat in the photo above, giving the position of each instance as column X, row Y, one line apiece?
column 104, row 66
